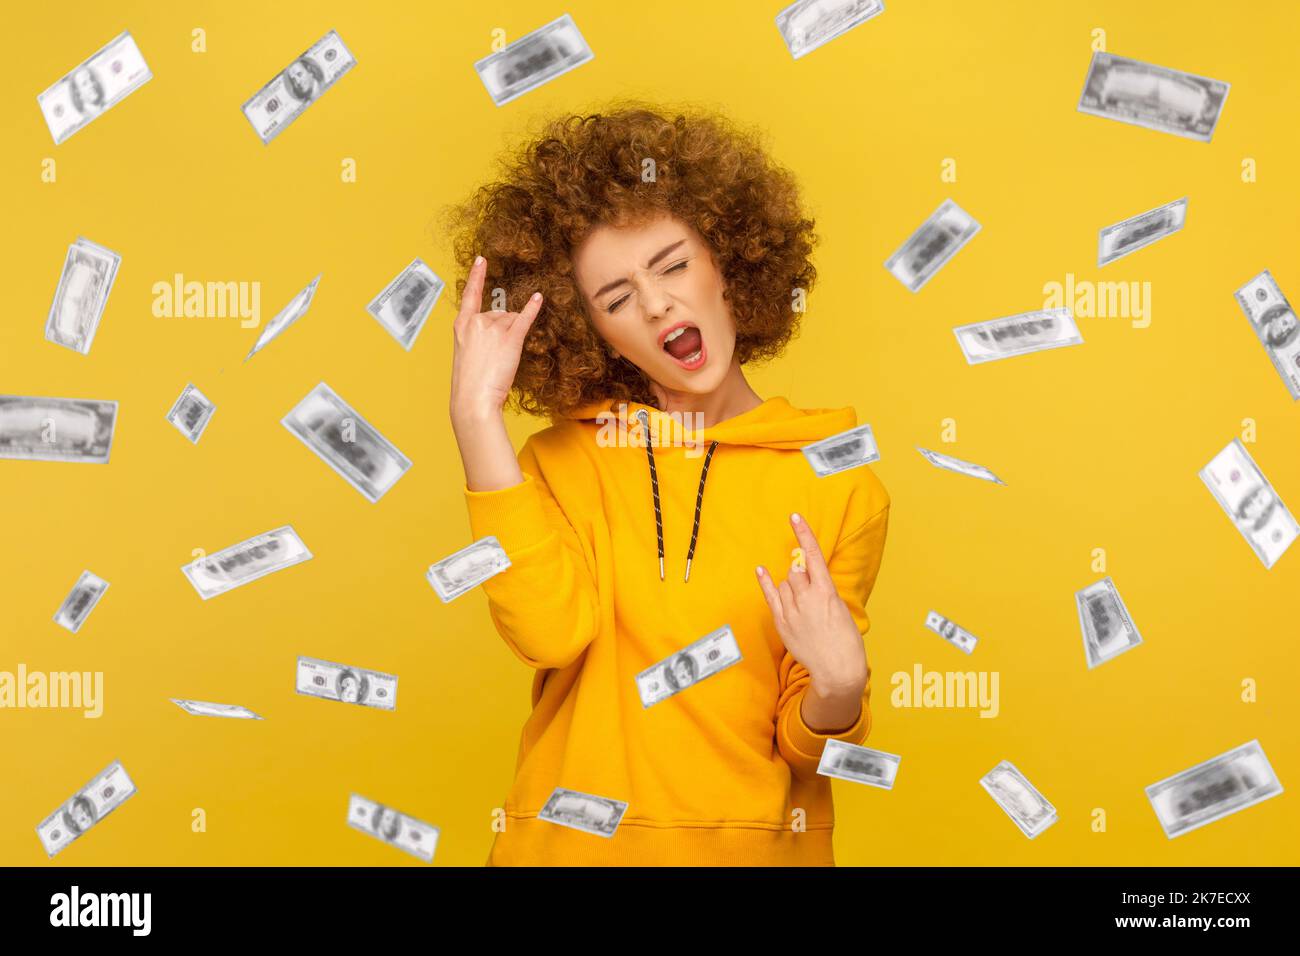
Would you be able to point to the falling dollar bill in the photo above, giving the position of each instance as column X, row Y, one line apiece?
column 94, row 87
column 1117, row 241
column 286, row 317
column 351, row 685
column 583, row 811
column 958, row 637
column 406, row 302
column 467, row 568
column 948, row 463
column 191, row 413
column 56, row 429
column 532, row 60
column 849, row 449
column 205, row 708
column 1108, row 630
column 1210, row 791
column 81, row 295
column 808, row 24
column 247, row 561
column 926, row 250
column 105, row 793
column 1249, row 500
column 1275, row 324
column 1010, row 790
column 346, row 442
column 859, row 764
column 297, row 86
column 416, row 837
column 1020, row 334
column 1158, row 98
column 712, row 653
column 80, row 601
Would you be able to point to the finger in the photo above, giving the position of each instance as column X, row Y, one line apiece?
column 818, row 573
column 798, row 578
column 771, row 594
column 527, row 315
column 472, row 298
column 789, row 600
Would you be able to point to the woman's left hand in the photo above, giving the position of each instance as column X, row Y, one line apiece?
column 814, row 622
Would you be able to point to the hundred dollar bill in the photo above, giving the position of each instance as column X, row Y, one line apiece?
column 1275, row 324
column 926, row 250
column 247, row 561
column 297, row 86
column 859, row 764
column 1108, row 630
column 204, row 708
column 105, row 793
column 1027, row 808
column 967, row 468
column 81, row 295
column 94, row 87
column 958, row 637
column 351, row 685
column 712, row 653
column 849, row 449
column 583, row 811
column 416, row 837
column 467, row 568
column 1212, row 790
column 1153, row 96
column 56, row 429
column 406, row 302
column 286, row 317
column 534, row 59
column 191, row 413
column 80, row 601
column 1017, row 335
column 346, row 442
column 808, row 24
column 1248, row 498
column 1117, row 241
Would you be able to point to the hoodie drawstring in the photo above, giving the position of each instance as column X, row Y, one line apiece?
column 644, row 418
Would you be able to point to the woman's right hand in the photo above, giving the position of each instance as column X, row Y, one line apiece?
column 487, row 349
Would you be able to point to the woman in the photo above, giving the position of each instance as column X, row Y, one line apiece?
column 633, row 264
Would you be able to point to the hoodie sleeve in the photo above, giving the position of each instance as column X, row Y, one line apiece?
column 853, row 566
column 545, row 604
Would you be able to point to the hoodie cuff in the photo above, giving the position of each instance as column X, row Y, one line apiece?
column 513, row 515
column 809, row 742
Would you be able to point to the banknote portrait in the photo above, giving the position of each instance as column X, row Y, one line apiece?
column 352, row 688
column 1278, row 326
column 387, row 823
column 79, row 815
column 681, row 672
column 86, row 92
column 304, row 78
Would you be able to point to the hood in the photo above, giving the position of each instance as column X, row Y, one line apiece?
column 774, row 424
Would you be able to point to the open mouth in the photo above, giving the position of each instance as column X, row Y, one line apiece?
column 685, row 344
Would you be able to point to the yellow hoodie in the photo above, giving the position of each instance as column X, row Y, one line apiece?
column 723, row 773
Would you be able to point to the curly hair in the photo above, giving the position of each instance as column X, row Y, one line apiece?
column 582, row 171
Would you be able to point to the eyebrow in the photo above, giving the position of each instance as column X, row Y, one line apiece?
column 649, row 265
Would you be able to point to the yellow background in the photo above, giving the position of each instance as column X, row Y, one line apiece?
column 1099, row 444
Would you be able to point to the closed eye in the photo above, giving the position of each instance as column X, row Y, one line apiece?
column 675, row 268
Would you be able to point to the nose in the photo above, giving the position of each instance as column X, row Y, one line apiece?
column 655, row 301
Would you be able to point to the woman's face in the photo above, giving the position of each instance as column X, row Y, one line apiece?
column 646, row 282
